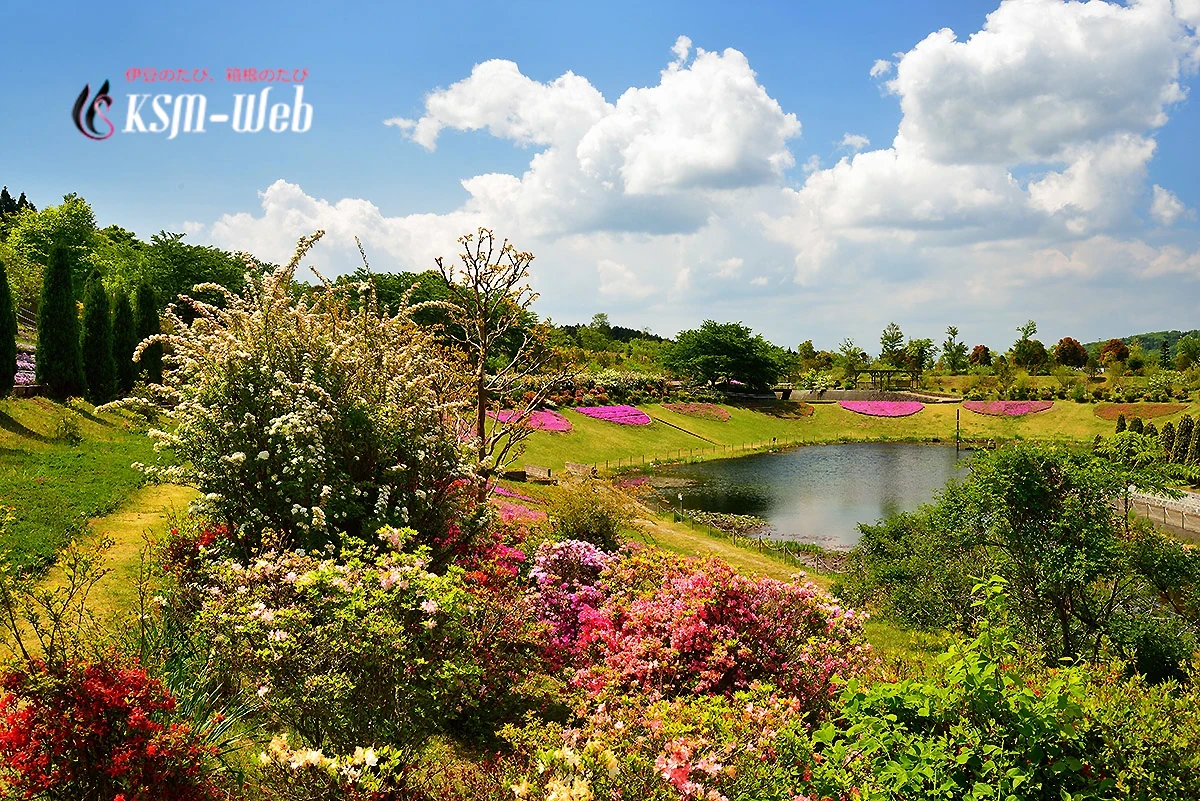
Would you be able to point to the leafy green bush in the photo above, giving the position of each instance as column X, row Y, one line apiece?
column 592, row 511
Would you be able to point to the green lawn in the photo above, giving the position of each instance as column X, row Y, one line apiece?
column 598, row 442
column 56, row 487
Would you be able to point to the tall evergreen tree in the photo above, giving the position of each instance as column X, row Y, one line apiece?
column 8, row 335
column 1193, row 452
column 99, row 369
column 59, row 363
column 1183, row 439
column 125, row 339
column 1137, row 426
column 1151, row 430
column 1167, row 438
column 23, row 204
column 8, row 206
column 146, row 325
column 1164, row 355
column 1120, row 423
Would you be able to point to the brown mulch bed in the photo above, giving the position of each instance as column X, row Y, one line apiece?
column 1146, row 411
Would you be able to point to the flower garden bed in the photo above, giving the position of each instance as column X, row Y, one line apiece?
column 621, row 415
column 516, row 511
column 25, row 369
column 1146, row 411
column 1007, row 408
column 541, row 420
column 507, row 493
column 883, row 408
column 705, row 411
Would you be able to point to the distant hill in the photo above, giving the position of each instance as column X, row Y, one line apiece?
column 1151, row 341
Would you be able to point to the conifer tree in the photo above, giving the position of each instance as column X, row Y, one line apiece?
column 1193, row 452
column 1137, row 426
column 1151, row 430
column 59, row 363
column 1164, row 355
column 146, row 325
column 23, row 203
column 1120, row 423
column 99, row 369
column 1183, row 439
column 125, row 340
column 8, row 206
column 1167, row 438
column 8, row 335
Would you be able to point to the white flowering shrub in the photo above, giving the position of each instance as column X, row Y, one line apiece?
column 311, row 414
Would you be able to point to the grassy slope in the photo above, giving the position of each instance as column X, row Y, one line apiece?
column 56, row 487
column 595, row 441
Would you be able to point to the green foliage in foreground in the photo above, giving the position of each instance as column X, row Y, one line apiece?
column 986, row 723
column 1085, row 582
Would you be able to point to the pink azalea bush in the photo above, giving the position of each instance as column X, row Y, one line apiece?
column 705, row 411
column 671, row 626
column 540, row 420
column 622, row 415
column 883, row 408
column 565, row 575
column 1007, row 408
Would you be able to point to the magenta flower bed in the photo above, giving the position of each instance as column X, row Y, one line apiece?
column 24, row 369
column 507, row 493
column 883, row 408
column 1007, row 408
column 705, row 411
column 541, row 420
column 515, row 511
column 622, row 415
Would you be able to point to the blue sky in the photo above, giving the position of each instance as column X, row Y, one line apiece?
column 718, row 195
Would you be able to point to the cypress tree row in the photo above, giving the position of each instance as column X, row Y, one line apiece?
column 1193, row 453
column 1183, row 439
column 59, row 364
column 99, row 369
column 124, row 341
column 1167, row 438
column 1136, row 425
column 8, row 335
column 1151, row 430
column 146, row 325
column 1120, row 423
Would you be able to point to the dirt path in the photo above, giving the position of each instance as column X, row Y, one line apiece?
column 146, row 511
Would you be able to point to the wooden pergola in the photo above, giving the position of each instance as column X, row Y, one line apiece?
column 882, row 377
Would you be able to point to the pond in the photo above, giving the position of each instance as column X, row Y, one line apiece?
column 817, row 494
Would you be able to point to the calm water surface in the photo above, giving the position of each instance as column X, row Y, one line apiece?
column 820, row 493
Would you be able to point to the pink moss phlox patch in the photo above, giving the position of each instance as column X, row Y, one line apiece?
column 1007, row 408
column 883, row 408
column 621, row 415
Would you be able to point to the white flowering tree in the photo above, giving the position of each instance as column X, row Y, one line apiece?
column 505, row 348
column 312, row 415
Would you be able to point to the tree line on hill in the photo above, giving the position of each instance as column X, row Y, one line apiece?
column 715, row 353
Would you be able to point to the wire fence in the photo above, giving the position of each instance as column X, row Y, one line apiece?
column 681, row 454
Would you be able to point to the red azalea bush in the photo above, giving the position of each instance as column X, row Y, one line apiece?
column 84, row 730
column 672, row 626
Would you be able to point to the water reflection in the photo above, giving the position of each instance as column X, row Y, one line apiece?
column 820, row 494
